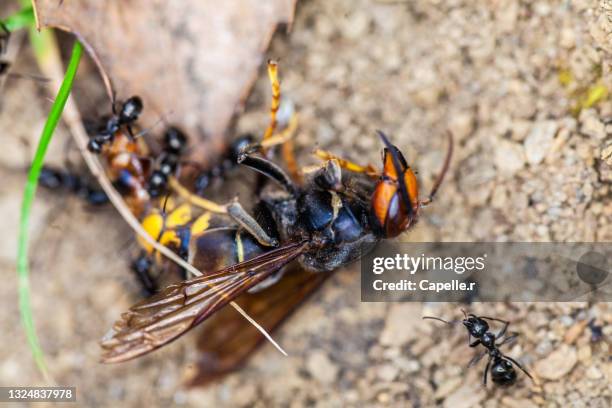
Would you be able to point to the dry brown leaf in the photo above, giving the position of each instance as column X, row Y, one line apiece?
column 193, row 62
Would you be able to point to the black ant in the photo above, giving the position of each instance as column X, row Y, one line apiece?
column 130, row 110
column 500, row 365
column 174, row 145
column 56, row 179
column 225, row 164
column 596, row 331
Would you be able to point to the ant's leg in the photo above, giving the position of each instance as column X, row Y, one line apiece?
column 247, row 222
column 475, row 343
column 503, row 330
column 519, row 366
column 441, row 175
column 486, row 371
column 493, row 319
column 195, row 200
column 270, row 170
column 512, row 337
column 476, row 359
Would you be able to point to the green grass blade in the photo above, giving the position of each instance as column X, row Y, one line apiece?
column 24, row 18
column 28, row 197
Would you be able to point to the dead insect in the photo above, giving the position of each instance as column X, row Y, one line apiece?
column 323, row 224
column 500, row 365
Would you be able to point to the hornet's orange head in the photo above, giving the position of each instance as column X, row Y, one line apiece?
column 395, row 201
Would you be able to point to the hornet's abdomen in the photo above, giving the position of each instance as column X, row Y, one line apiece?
column 218, row 248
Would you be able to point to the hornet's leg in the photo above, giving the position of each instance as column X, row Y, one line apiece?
column 270, row 170
column 276, row 95
column 195, row 200
column 348, row 165
column 247, row 222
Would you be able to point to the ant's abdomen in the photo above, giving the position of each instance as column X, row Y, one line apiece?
column 503, row 373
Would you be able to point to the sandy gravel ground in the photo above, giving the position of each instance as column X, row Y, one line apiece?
column 533, row 163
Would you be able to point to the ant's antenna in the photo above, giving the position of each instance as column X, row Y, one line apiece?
column 157, row 122
column 452, row 322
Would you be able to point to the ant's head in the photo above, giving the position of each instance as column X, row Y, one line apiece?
column 174, row 140
column 94, row 146
column 395, row 201
column 475, row 325
column 130, row 110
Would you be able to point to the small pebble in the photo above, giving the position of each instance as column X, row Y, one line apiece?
column 574, row 332
column 606, row 155
column 467, row 396
column 517, row 403
column 387, row 372
column 321, row 367
column 539, row 141
column 509, row 157
column 558, row 363
column 591, row 125
column 400, row 324
column 594, row 373
column 584, row 354
column 447, row 387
